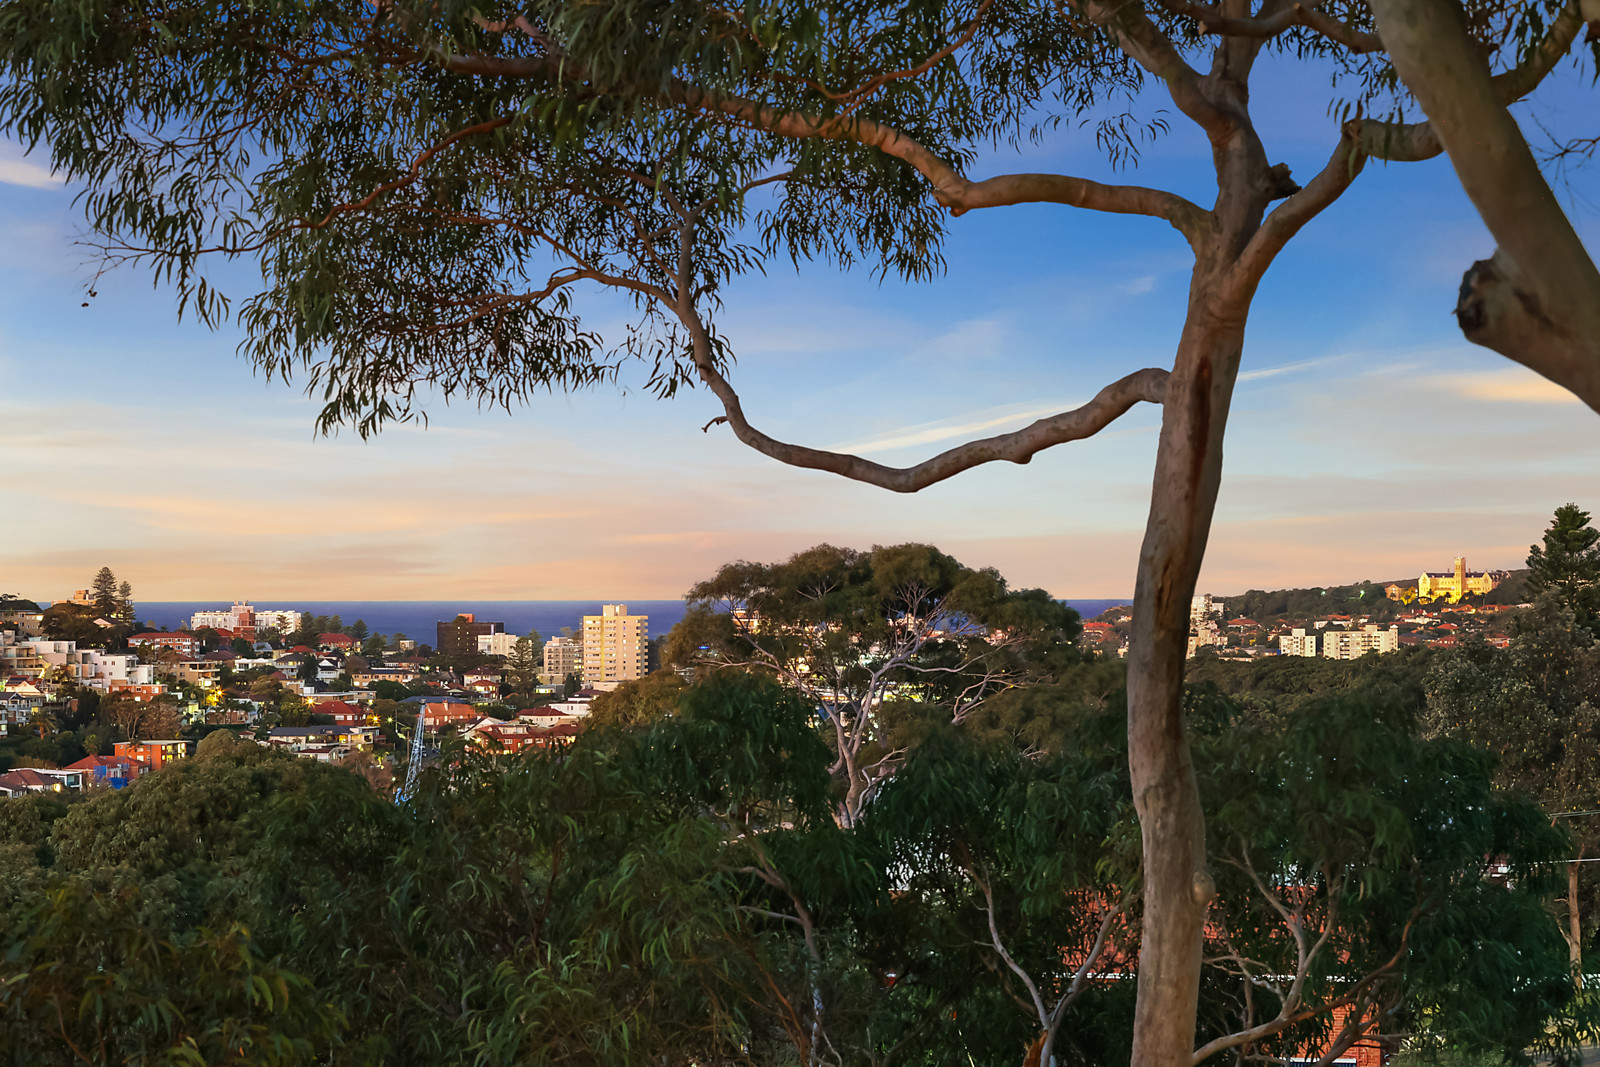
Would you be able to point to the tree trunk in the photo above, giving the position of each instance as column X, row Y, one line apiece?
column 1574, row 922
column 1538, row 300
column 1177, row 886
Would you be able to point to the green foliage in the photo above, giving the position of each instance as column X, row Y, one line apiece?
column 103, row 592
column 1274, row 686
column 1361, row 598
column 89, row 983
column 1427, row 884
column 1567, row 564
column 884, row 643
column 638, row 703
column 525, row 663
column 1532, row 705
column 680, row 889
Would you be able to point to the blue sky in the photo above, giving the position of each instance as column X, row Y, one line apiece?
column 1367, row 439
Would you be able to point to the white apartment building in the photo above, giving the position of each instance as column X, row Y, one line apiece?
column 562, row 656
column 501, row 644
column 90, row 666
column 243, row 616
column 616, row 646
column 1203, row 628
column 1299, row 643
column 1353, row 644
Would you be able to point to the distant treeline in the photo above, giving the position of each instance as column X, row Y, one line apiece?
column 1360, row 598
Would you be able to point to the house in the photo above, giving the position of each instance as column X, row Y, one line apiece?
column 495, row 735
column 324, row 743
column 26, row 780
column 545, row 718
column 113, row 771
column 343, row 714
column 372, row 675
column 156, row 754
column 139, row 694
column 439, row 714
column 343, row 641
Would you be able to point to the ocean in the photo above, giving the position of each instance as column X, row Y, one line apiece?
column 418, row 619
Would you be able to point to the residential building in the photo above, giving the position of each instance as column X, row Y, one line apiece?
column 184, row 644
column 284, row 622
column 200, row 672
column 460, row 638
column 92, row 667
column 549, row 716
column 562, row 656
column 1299, row 643
column 155, row 754
column 239, row 619
column 25, row 780
column 436, row 716
column 19, row 699
column 1203, row 628
column 1458, row 582
column 342, row 713
column 1353, row 644
column 29, row 623
column 113, row 771
column 139, row 693
column 367, row 678
column 243, row 619
column 616, row 646
column 570, row 708
column 497, row 644
column 498, row 736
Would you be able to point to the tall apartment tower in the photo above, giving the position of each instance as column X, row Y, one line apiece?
column 616, row 646
column 562, row 656
column 460, row 638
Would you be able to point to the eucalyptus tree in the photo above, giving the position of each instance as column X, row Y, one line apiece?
column 1537, row 299
column 428, row 189
column 881, row 642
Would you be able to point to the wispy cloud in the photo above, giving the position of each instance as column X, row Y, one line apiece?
column 25, row 173
column 1512, row 385
column 927, row 433
column 1286, row 368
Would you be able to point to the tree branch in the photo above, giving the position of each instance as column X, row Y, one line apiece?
column 1143, row 42
column 1289, row 217
column 1411, row 142
column 1537, row 301
column 1281, row 21
column 1110, row 403
column 951, row 189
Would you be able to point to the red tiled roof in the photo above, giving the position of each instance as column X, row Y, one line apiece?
column 24, row 777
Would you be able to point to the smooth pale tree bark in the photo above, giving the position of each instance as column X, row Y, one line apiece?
column 1537, row 300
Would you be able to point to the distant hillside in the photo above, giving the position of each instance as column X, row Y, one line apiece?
column 1361, row 598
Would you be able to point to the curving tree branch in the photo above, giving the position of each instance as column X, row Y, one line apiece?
column 1149, row 385
column 1266, row 27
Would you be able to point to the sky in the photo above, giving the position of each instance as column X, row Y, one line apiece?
column 1367, row 439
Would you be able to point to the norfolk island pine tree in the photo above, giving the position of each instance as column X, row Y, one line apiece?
column 429, row 189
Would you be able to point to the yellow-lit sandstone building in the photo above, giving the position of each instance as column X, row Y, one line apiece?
column 1454, row 584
